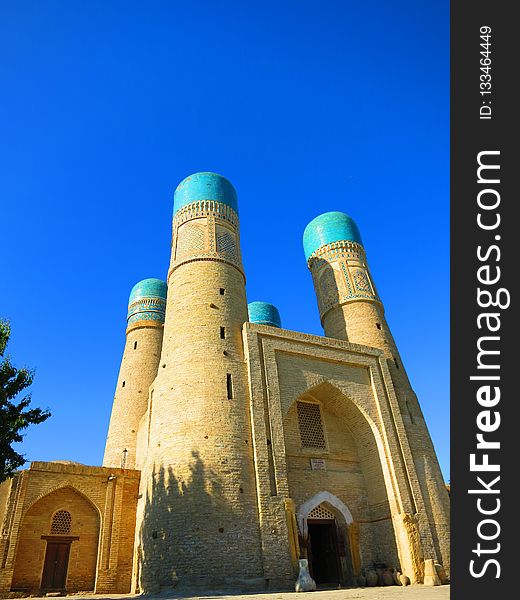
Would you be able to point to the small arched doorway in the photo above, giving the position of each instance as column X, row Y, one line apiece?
column 323, row 550
column 323, row 521
column 57, row 552
column 58, row 544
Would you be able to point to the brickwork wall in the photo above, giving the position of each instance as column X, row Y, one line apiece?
column 357, row 315
column 81, row 572
column 143, row 431
column 199, row 514
column 343, row 477
column 353, row 384
column 360, row 324
column 355, row 477
column 137, row 372
column 5, row 492
column 208, row 412
column 102, row 503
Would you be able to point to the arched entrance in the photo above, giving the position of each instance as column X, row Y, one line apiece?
column 335, row 456
column 58, row 544
column 323, row 521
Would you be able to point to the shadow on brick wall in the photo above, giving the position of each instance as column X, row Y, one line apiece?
column 189, row 532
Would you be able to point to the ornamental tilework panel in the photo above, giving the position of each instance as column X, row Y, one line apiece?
column 146, row 316
column 328, row 286
column 191, row 239
column 361, row 281
column 226, row 244
column 346, row 279
column 147, row 309
column 211, row 234
column 206, row 208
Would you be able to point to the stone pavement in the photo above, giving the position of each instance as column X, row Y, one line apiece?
column 413, row 592
column 416, row 592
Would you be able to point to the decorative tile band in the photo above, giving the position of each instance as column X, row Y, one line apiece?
column 147, row 301
column 335, row 250
column 205, row 208
column 340, row 274
column 147, row 309
column 205, row 230
column 212, row 258
column 145, row 316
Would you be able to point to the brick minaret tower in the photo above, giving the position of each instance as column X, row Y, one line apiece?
column 351, row 310
column 144, row 334
column 200, row 519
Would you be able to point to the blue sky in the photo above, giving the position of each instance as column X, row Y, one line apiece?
column 305, row 106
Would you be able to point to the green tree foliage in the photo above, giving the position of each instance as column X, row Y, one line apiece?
column 14, row 416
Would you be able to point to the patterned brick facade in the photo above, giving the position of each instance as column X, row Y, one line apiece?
column 243, row 439
column 101, row 503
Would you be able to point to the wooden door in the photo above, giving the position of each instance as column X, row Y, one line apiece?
column 324, row 559
column 55, row 566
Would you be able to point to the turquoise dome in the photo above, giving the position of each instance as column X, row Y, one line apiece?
column 147, row 301
column 264, row 313
column 205, row 186
column 148, row 288
column 327, row 228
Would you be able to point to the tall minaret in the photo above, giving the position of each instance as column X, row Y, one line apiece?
column 350, row 309
column 200, row 523
column 144, row 335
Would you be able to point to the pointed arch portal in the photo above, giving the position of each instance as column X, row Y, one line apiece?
column 60, row 530
column 322, row 498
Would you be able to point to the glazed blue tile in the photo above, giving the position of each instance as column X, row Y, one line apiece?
column 147, row 301
column 327, row 228
column 264, row 313
column 148, row 288
column 205, row 186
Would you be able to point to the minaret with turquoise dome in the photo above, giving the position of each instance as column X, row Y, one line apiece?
column 139, row 364
column 351, row 310
column 199, row 512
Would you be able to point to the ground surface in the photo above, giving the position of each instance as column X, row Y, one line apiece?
column 415, row 592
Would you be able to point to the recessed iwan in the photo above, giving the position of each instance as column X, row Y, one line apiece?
column 250, row 445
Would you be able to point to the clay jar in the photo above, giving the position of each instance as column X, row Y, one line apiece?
column 372, row 578
column 387, row 577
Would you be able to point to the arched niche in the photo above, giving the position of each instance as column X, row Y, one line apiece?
column 36, row 540
column 337, row 507
column 355, row 478
column 64, row 486
column 325, row 509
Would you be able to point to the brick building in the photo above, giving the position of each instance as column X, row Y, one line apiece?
column 236, row 447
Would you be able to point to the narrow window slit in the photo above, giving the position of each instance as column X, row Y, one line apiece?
column 222, row 333
column 229, row 383
column 409, row 412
